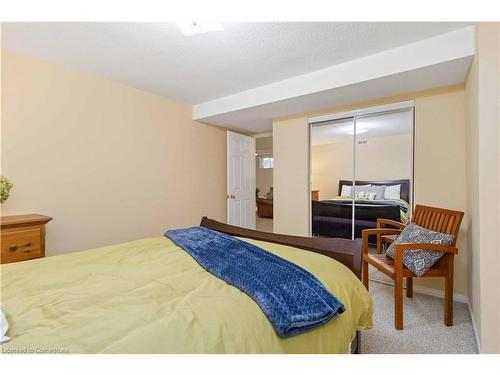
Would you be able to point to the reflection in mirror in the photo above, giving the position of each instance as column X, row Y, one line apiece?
column 384, row 160
column 332, row 151
column 378, row 157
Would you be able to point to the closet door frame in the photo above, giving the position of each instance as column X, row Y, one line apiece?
column 355, row 115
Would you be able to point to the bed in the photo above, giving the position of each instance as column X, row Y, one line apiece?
column 333, row 217
column 150, row 296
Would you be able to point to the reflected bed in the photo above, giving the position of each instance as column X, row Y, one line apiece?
column 333, row 217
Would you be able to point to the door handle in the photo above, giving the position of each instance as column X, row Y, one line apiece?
column 230, row 196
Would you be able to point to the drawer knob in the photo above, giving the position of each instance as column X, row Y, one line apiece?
column 28, row 244
column 13, row 248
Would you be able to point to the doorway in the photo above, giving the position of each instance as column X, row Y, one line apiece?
column 240, row 180
column 264, row 166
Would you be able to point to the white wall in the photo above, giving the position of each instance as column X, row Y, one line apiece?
column 108, row 162
column 483, row 176
column 291, row 177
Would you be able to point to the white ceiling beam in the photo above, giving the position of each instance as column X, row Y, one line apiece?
column 451, row 46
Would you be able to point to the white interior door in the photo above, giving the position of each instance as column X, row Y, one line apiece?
column 240, row 180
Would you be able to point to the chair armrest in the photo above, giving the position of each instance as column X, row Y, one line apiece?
column 378, row 232
column 425, row 246
column 382, row 222
column 400, row 248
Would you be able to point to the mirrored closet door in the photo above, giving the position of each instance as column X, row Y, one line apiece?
column 361, row 169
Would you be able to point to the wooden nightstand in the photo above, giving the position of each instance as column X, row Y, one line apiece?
column 22, row 237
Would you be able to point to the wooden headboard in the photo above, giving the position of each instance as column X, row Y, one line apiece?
column 405, row 186
column 345, row 251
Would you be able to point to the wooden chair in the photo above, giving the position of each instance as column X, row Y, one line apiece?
column 387, row 239
column 436, row 219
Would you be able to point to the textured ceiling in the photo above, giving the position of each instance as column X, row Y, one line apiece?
column 156, row 57
column 258, row 119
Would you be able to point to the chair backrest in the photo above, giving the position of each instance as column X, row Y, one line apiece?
column 438, row 219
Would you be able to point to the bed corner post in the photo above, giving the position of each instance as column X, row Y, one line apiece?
column 357, row 260
column 356, row 344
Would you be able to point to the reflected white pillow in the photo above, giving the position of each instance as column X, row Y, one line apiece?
column 393, row 192
column 347, row 189
column 379, row 190
column 362, row 187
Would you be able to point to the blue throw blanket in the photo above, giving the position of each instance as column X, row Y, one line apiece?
column 292, row 299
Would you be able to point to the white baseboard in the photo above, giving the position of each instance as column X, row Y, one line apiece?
column 431, row 292
column 457, row 297
column 474, row 327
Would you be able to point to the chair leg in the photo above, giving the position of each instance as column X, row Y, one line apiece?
column 398, row 302
column 448, row 298
column 364, row 272
column 409, row 287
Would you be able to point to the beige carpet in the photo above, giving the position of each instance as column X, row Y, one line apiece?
column 424, row 331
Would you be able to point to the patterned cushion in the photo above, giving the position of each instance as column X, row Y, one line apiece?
column 420, row 261
column 379, row 191
column 369, row 196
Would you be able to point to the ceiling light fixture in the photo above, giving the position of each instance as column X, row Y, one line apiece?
column 192, row 28
column 358, row 131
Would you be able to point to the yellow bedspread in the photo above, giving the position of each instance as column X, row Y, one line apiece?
column 150, row 296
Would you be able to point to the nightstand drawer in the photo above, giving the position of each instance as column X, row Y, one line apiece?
column 22, row 237
column 19, row 244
